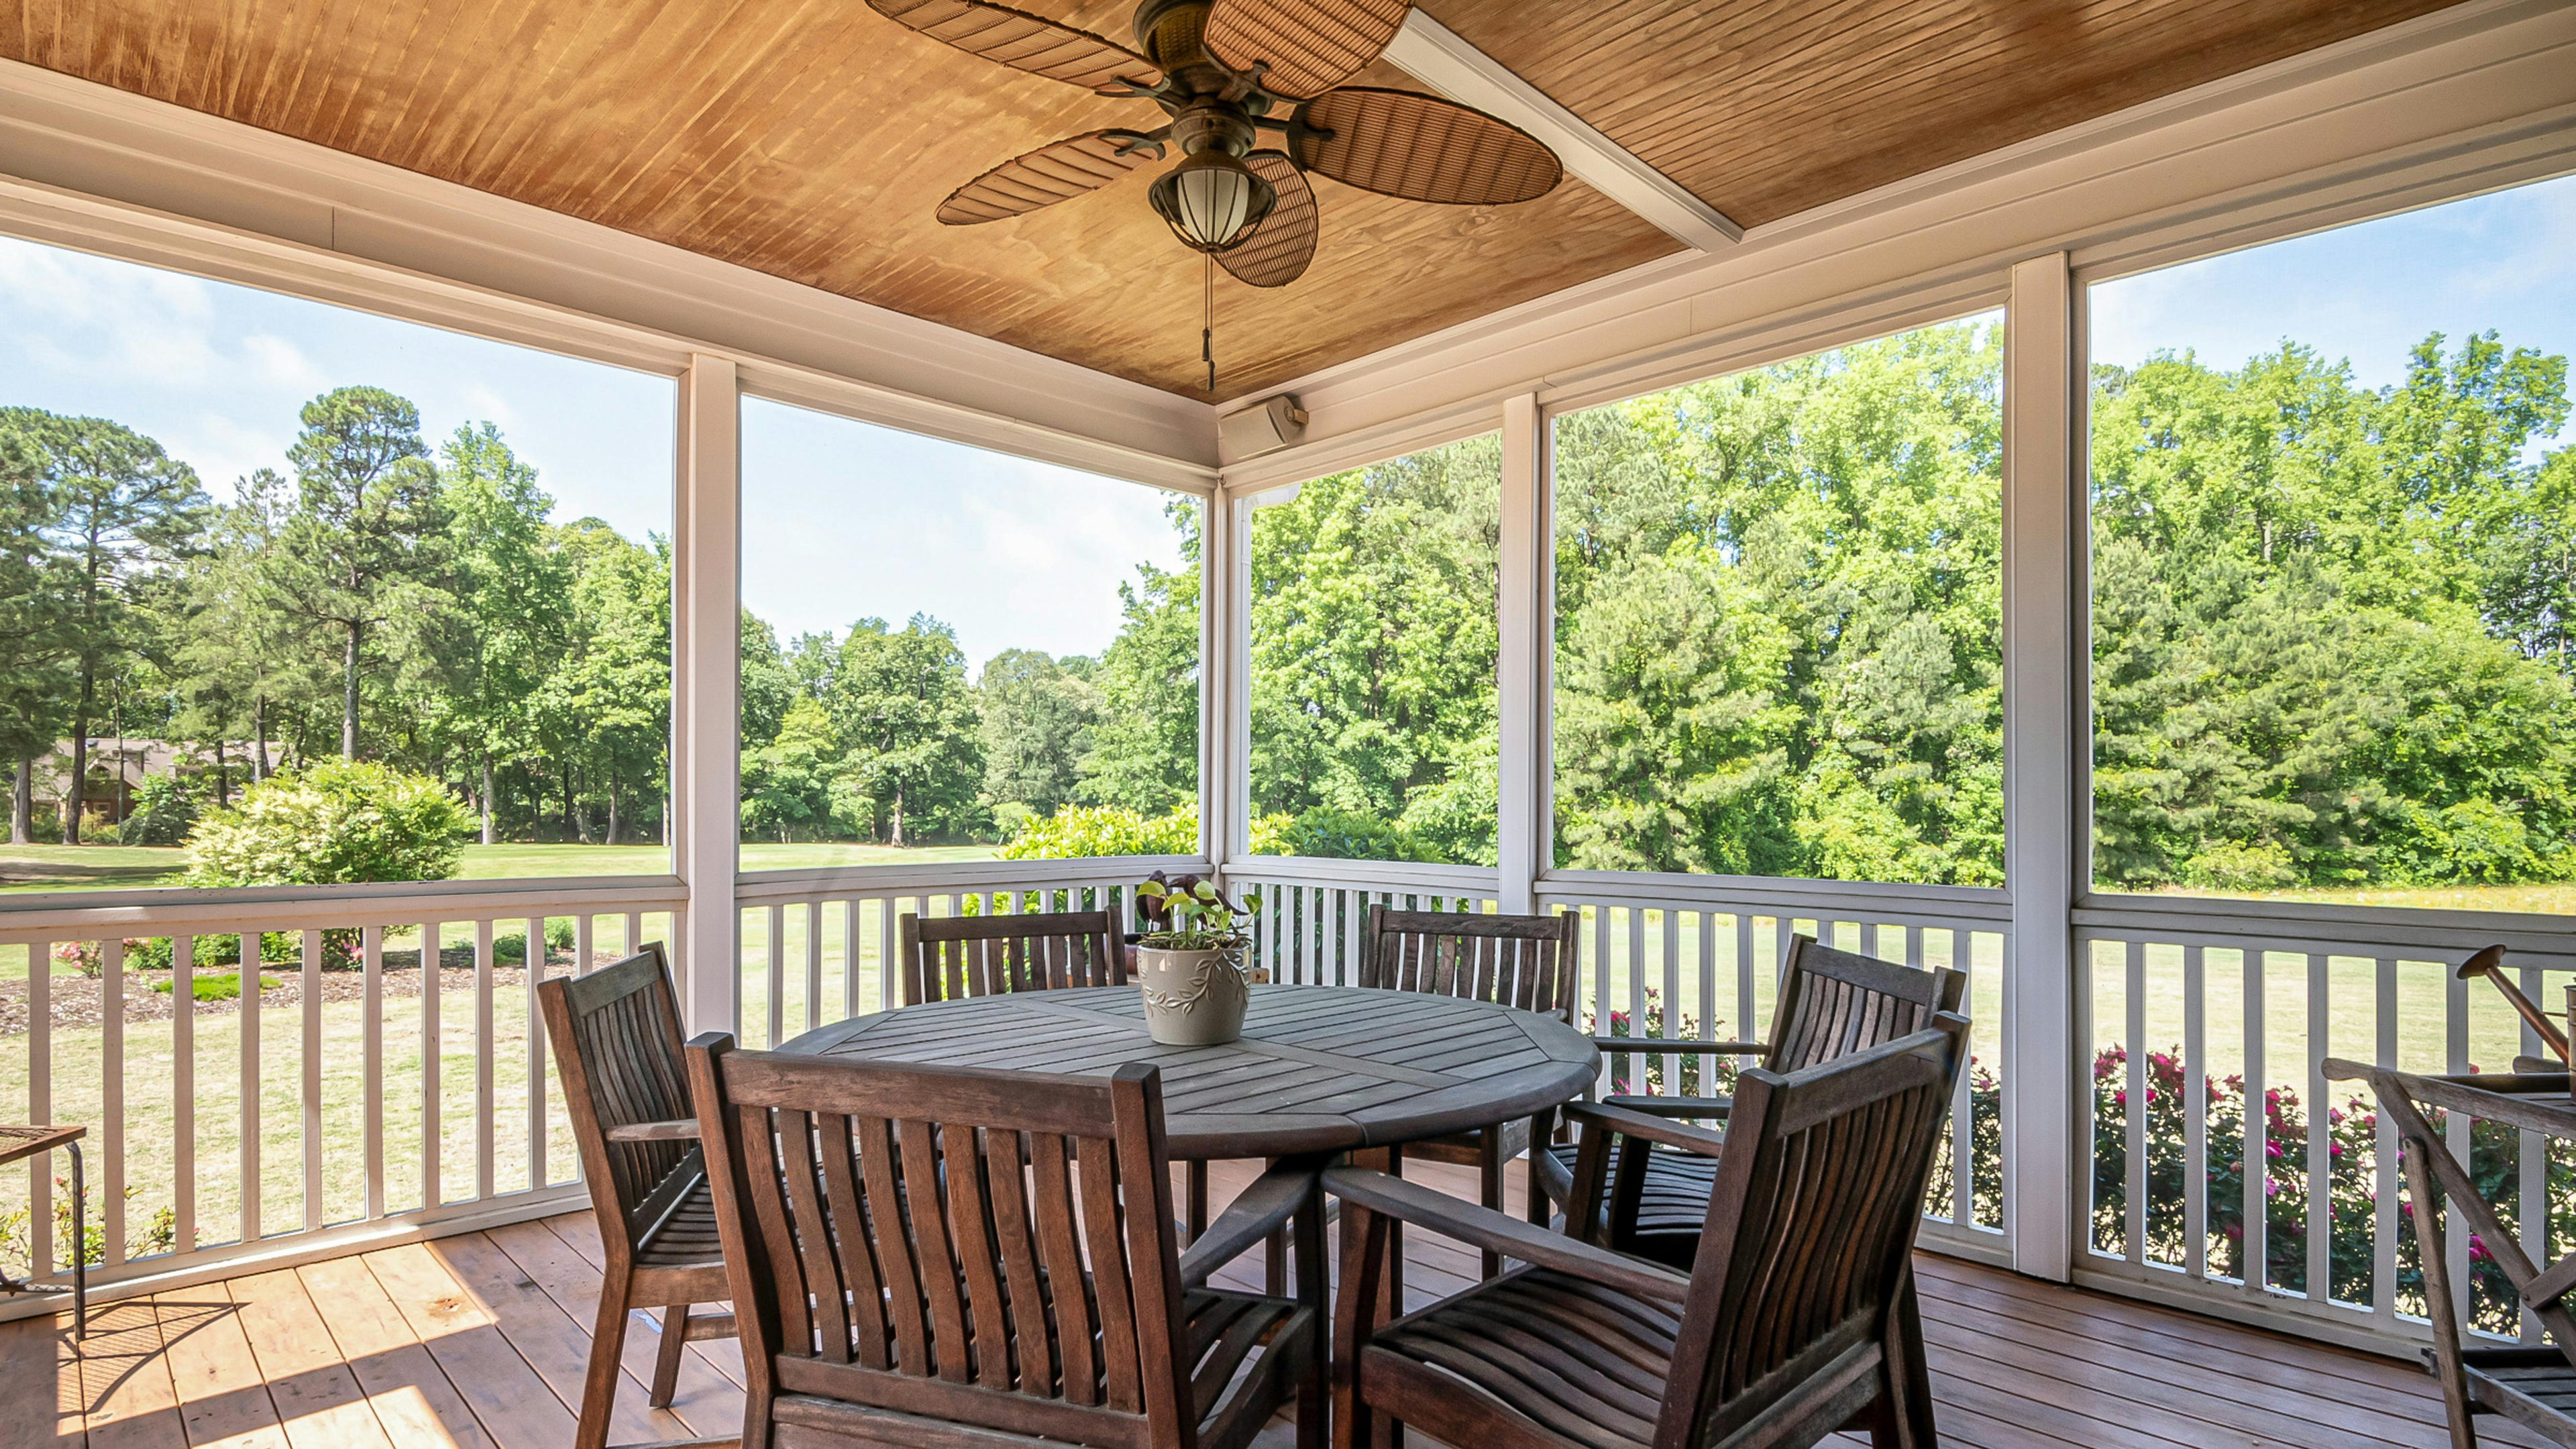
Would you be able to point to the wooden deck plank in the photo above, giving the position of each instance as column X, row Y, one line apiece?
column 580, row 1232
column 550, row 1340
column 415, row 1403
column 224, row 1401
column 705, row 1401
column 128, row 1399
column 509, row 1400
column 41, row 1380
column 318, row 1399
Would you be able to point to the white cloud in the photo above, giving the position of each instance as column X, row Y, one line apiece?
column 276, row 361
column 90, row 317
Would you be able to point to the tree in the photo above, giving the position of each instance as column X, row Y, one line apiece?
column 609, row 700
column 507, row 626
column 360, row 554
column 900, row 704
column 33, row 637
column 1145, row 748
column 1037, row 714
column 1374, row 644
column 121, row 510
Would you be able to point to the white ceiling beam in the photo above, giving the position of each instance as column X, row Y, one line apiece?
column 1437, row 56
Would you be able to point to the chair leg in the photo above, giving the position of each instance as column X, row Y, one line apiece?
column 1197, row 1208
column 666, row 1361
column 1489, row 1178
column 80, row 1246
column 1534, row 1207
column 599, row 1381
column 1274, row 1255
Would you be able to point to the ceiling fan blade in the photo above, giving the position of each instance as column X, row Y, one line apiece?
column 1307, row 46
column 1421, row 148
column 1277, row 251
column 1023, row 41
column 1061, row 171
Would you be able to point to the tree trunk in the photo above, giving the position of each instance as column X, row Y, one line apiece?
column 612, row 812
column 570, row 830
column 488, row 838
column 223, row 778
column 897, row 842
column 349, row 697
column 258, row 738
column 22, row 803
column 78, row 790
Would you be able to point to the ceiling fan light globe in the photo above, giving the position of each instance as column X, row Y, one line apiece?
column 1211, row 200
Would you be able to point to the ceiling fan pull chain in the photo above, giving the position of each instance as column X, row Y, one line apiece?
column 1207, row 324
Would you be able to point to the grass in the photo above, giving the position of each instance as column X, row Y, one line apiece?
column 222, row 986
column 114, row 867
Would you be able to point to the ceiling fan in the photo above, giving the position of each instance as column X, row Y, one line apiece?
column 1226, row 72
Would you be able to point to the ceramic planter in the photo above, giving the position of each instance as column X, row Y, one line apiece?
column 1193, row 998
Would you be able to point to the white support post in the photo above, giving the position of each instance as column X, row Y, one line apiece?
column 1521, row 668
column 1224, row 707
column 2045, row 848
column 706, row 639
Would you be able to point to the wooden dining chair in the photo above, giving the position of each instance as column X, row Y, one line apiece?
column 1523, row 961
column 976, row 1259
column 616, row 1039
column 948, row 957
column 1796, row 1320
column 1832, row 1003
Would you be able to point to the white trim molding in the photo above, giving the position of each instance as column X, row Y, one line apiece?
column 89, row 166
column 1440, row 58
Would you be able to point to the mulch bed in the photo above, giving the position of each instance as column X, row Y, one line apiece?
column 78, row 1001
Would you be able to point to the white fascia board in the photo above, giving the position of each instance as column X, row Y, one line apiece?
column 64, row 140
column 2475, row 97
column 1440, row 58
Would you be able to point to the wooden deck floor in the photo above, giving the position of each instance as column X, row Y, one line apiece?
column 480, row 1340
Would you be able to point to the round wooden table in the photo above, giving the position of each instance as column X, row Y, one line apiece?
column 1318, row 1068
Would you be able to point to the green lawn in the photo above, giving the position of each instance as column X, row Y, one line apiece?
column 103, row 867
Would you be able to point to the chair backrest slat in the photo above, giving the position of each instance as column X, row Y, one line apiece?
column 1518, row 961
column 1808, row 1228
column 615, row 1034
column 947, row 957
column 992, row 1248
column 1834, row 1002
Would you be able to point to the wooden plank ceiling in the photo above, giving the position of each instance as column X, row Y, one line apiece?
column 811, row 139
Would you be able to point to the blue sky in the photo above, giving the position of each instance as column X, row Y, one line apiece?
column 2367, row 292
column 843, row 521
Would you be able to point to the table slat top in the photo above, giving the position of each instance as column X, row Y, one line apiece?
column 1318, row 1068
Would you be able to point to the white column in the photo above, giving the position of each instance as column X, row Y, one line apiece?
column 706, row 639
column 1224, row 725
column 2046, row 733
column 1521, row 670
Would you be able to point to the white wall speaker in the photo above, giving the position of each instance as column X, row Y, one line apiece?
column 1265, row 427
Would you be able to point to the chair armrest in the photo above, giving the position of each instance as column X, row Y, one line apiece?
column 1411, row 1202
column 1637, row 1124
column 1673, row 1106
column 1256, row 1213
column 684, row 1129
column 2537, row 1066
column 1658, row 1046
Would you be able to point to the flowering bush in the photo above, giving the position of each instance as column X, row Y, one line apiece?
column 2352, row 1149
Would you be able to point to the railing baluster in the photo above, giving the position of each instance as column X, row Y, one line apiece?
column 247, row 976
column 40, row 1103
column 183, row 1092
column 2533, row 1155
column 850, row 957
column 1672, row 994
column 2195, row 1114
column 2320, row 1138
column 483, row 1143
column 813, row 964
column 431, row 980
column 1963, row 1105
column 2135, row 1117
column 2456, row 1128
column 534, row 958
column 2383, row 1233
column 1748, row 1007
column 110, row 1202
column 774, row 979
column 2257, row 1173
column 371, row 1053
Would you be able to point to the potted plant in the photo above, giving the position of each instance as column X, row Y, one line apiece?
column 1189, row 961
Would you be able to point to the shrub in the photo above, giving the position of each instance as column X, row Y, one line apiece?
column 223, row 986
column 512, row 950
column 1079, row 832
column 157, row 1235
column 1353, row 835
column 339, row 820
column 332, row 822
column 165, row 809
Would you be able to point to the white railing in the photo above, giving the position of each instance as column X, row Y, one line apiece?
column 1695, row 957
column 2193, row 1010
column 814, row 944
column 231, row 1127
